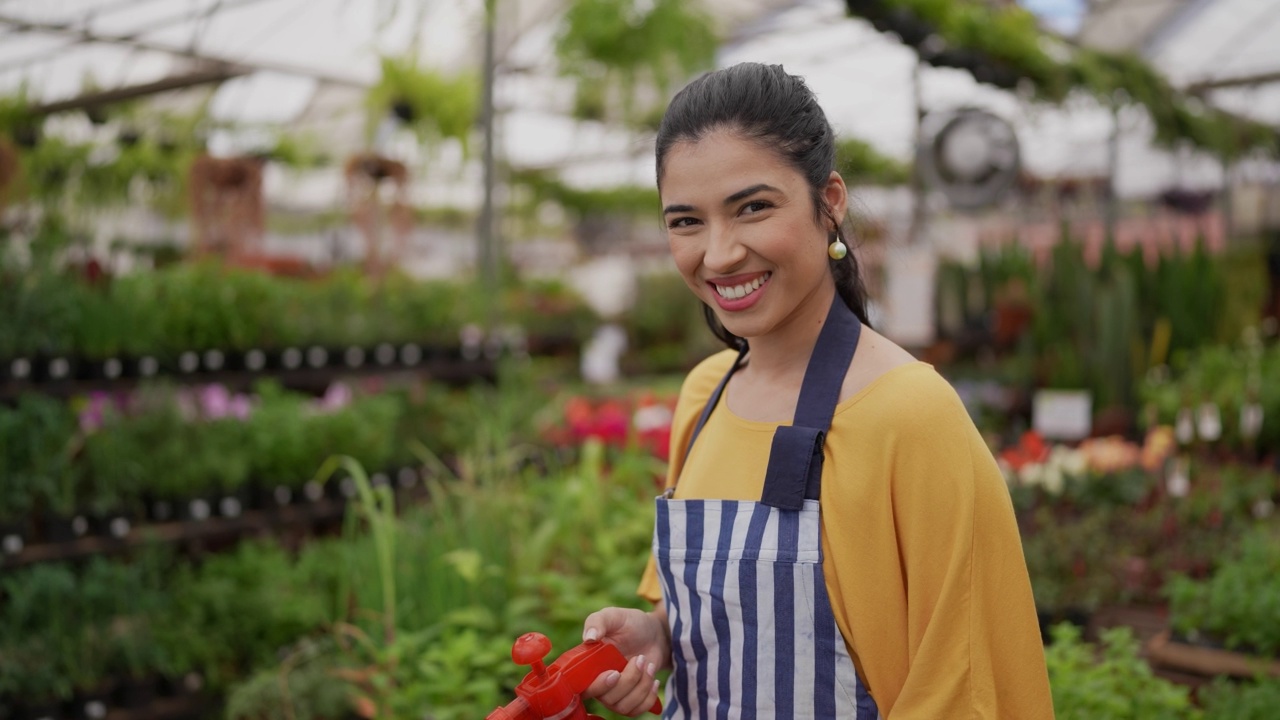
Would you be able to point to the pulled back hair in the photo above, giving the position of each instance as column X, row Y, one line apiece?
column 778, row 111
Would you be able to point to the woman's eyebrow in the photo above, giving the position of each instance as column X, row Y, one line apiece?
column 741, row 194
column 748, row 192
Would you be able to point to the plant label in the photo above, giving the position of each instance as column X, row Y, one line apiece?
column 80, row 525
column 406, row 478
column 347, row 487
column 282, row 495
column 214, row 359
column 20, row 368
column 188, row 362
column 59, row 368
column 1062, row 414
column 199, row 509
column 313, row 490
column 353, row 357
column 229, row 507
column 13, row 544
column 411, row 354
column 255, row 360
column 1179, row 482
column 317, row 357
column 384, row 354
column 120, row 527
column 1184, row 429
column 291, row 358
column 1209, row 422
column 148, row 366
column 379, row 480
column 1250, row 420
column 112, row 368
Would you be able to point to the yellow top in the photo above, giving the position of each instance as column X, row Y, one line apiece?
column 923, row 560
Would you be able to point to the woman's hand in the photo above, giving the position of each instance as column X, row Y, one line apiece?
column 641, row 637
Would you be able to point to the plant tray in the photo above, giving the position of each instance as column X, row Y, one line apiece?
column 1163, row 651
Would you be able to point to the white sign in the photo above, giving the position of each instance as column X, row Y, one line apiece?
column 1062, row 414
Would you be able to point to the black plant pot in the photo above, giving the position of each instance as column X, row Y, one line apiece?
column 116, row 525
column 290, row 358
column 134, row 692
column 143, row 366
column 112, row 368
column 92, row 704
column 56, row 368
column 161, row 509
column 13, row 538
column 198, row 508
column 65, row 529
column 17, row 370
column 39, row 710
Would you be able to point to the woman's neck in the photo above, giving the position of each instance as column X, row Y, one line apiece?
column 782, row 355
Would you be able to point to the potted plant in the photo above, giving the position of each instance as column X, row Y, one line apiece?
column 1225, row 624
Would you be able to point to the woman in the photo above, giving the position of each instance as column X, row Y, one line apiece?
column 836, row 539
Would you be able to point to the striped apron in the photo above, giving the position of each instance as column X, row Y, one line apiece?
column 752, row 631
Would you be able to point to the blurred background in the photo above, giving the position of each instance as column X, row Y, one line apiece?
column 339, row 339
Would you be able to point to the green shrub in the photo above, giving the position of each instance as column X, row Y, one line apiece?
column 1227, row 700
column 1117, row 685
column 1239, row 604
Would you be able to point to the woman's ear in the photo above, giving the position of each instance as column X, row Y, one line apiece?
column 836, row 195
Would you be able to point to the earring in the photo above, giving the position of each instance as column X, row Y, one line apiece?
column 837, row 250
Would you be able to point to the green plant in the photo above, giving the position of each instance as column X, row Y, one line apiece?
column 1117, row 686
column 1228, row 700
column 1238, row 605
column 433, row 104
column 623, row 52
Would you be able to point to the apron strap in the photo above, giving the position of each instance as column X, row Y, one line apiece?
column 715, row 400
column 795, row 458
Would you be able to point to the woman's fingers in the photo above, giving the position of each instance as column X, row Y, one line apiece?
column 633, row 690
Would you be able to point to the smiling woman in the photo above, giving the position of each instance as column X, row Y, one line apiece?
column 835, row 539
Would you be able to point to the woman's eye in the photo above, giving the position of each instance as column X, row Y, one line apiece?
column 681, row 222
column 755, row 206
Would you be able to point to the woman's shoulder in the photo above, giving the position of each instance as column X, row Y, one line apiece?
column 911, row 397
column 703, row 378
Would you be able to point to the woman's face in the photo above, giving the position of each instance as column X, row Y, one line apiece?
column 742, row 230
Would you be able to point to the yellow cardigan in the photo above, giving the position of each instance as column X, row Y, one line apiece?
column 923, row 559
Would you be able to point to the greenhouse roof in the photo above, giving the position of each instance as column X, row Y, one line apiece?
column 308, row 63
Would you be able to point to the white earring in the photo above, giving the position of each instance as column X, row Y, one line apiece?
column 837, row 250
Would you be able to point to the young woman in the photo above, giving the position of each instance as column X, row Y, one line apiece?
column 836, row 540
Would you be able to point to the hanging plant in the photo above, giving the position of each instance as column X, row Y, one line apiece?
column 641, row 50
column 433, row 105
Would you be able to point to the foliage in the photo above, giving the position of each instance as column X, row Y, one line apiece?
column 665, row 327
column 1229, row 377
column 625, row 200
column 1239, row 603
column 1227, row 700
column 35, row 458
column 1117, row 686
column 631, row 54
column 435, row 106
column 860, row 164
column 1003, row 45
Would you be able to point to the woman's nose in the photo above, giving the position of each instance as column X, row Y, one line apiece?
column 724, row 252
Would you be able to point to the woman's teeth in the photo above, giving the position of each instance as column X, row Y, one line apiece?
column 743, row 290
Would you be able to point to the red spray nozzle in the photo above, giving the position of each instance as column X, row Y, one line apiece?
column 555, row 691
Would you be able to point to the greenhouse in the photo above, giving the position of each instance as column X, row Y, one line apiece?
column 432, row 343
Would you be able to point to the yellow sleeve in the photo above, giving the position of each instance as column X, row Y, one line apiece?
column 934, row 588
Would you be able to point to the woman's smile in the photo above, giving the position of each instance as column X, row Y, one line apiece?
column 739, row 292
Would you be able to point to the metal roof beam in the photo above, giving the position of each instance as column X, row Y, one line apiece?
column 1254, row 79
column 133, row 40
column 115, row 95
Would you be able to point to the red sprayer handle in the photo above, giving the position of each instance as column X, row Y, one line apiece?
column 554, row 692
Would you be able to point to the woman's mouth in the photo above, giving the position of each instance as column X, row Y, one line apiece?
column 742, row 295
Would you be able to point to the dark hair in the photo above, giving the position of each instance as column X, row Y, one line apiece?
column 765, row 104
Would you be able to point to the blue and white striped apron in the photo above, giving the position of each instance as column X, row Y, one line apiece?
column 752, row 631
